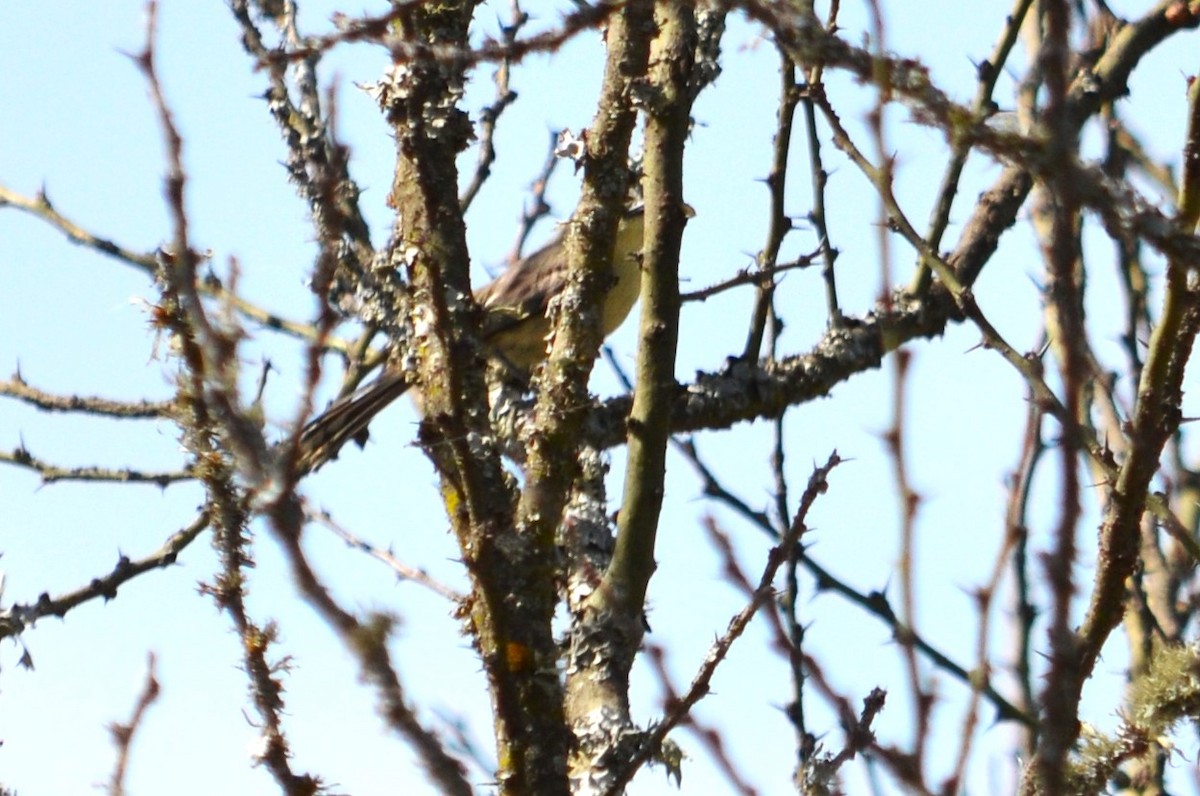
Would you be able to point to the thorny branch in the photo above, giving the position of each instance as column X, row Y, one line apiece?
column 206, row 354
column 219, row 434
column 764, row 594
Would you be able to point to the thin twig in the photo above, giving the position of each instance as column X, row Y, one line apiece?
column 759, row 276
column 122, row 734
column 18, row 388
column 585, row 17
column 818, row 484
column 537, row 208
column 54, row 473
column 147, row 262
column 505, row 96
column 404, row 571
column 875, row 603
column 780, row 223
column 17, row 618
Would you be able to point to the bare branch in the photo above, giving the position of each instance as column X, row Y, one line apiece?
column 18, row 388
column 18, row 617
column 403, row 571
column 54, row 473
column 123, row 733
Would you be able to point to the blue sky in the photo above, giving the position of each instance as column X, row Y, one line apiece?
column 78, row 123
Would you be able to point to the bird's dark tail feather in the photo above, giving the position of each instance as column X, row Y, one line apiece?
column 347, row 419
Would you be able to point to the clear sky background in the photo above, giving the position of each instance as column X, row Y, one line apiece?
column 77, row 122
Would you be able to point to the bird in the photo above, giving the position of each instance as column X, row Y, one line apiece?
column 514, row 331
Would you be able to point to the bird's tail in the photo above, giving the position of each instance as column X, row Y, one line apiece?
column 347, row 419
